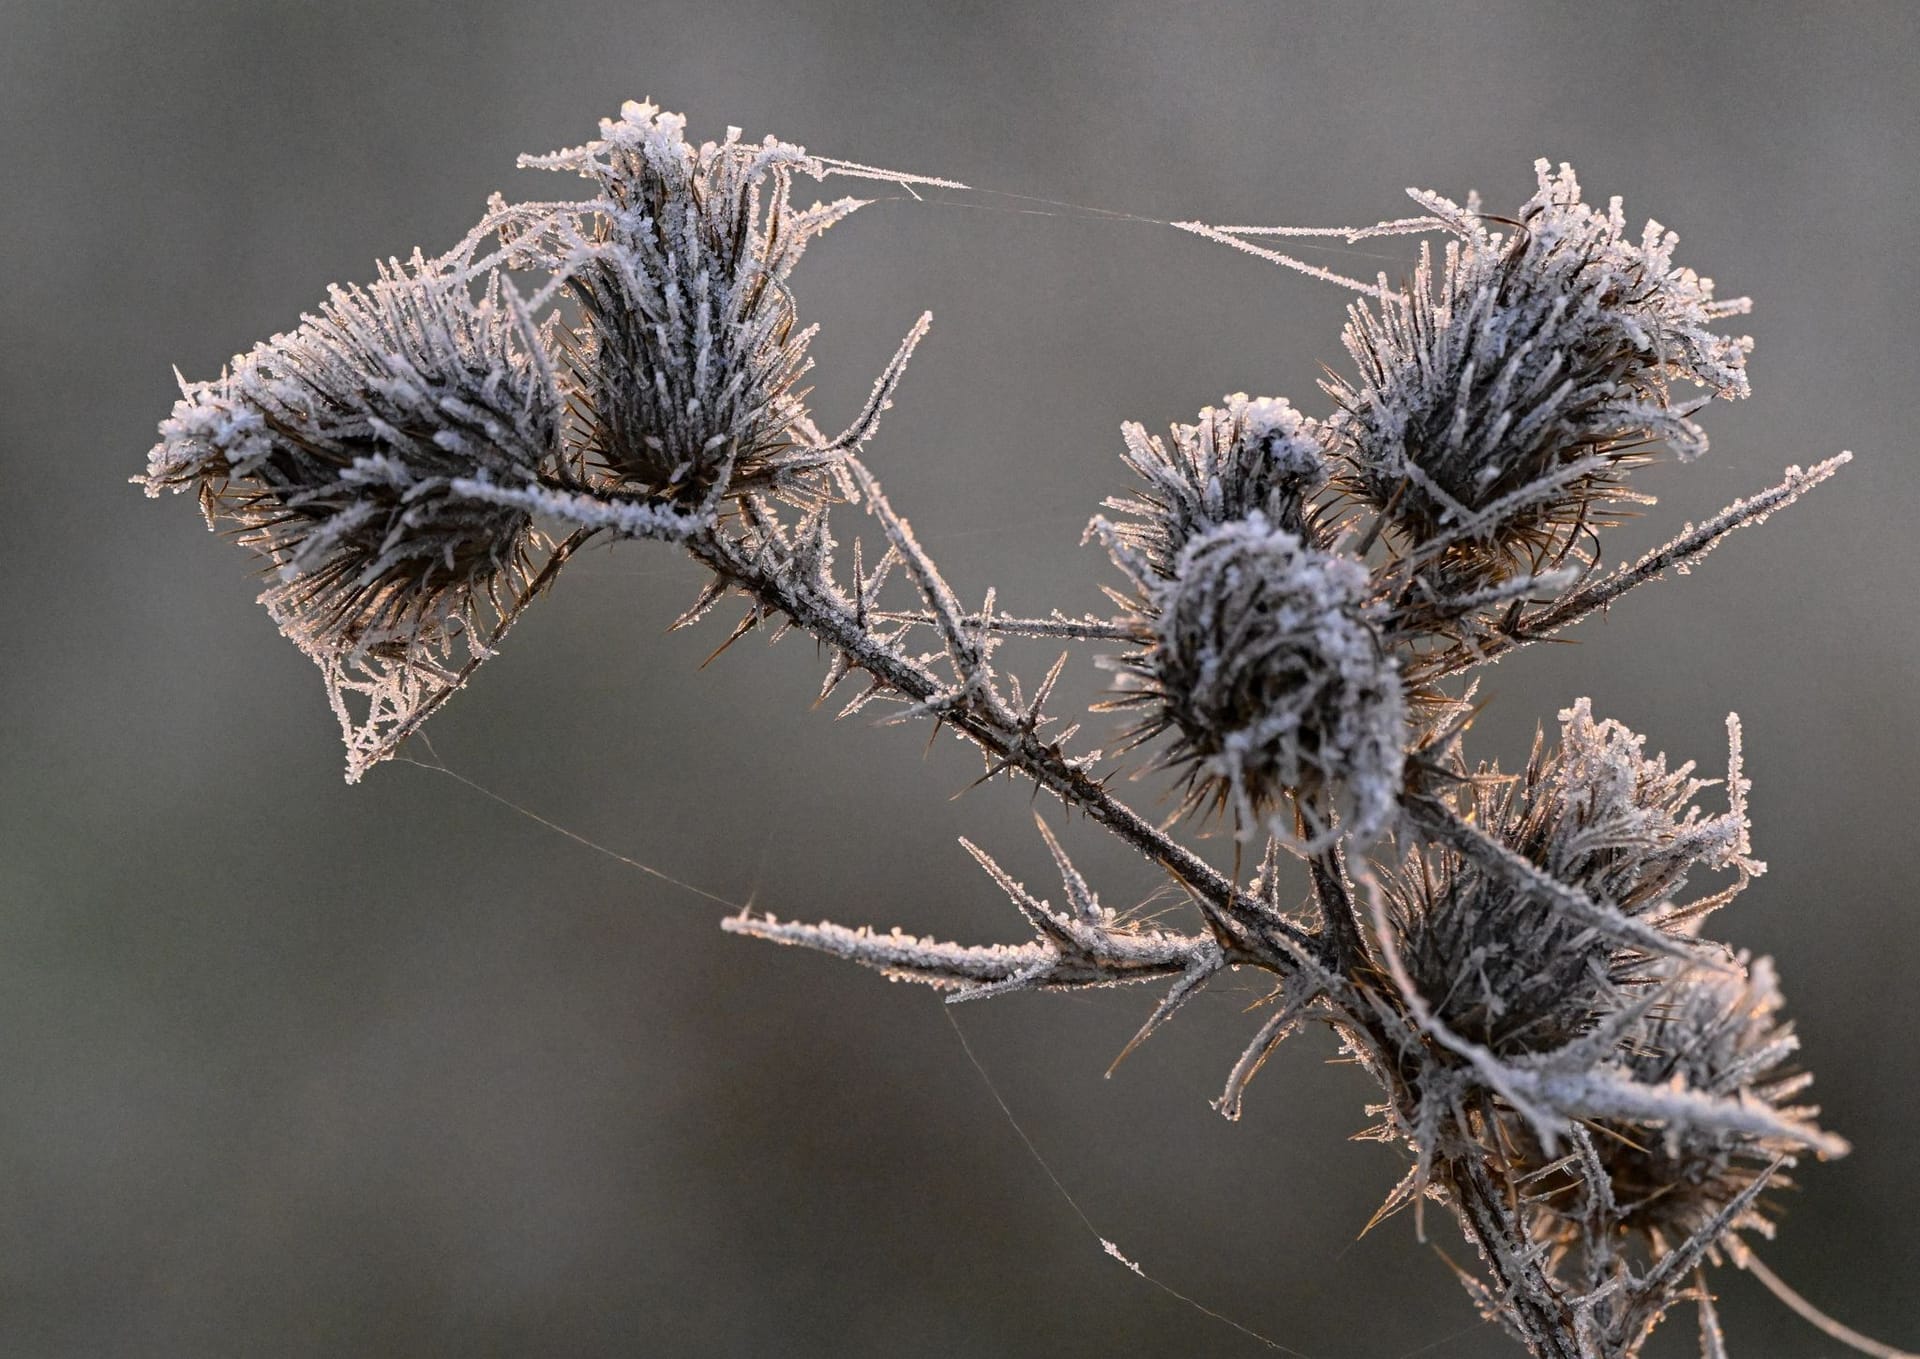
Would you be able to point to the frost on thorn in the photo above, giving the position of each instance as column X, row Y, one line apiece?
column 1500, row 403
column 338, row 452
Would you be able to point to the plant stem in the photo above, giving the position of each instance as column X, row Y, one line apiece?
column 1013, row 745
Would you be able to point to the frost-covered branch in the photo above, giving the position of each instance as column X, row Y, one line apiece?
column 1680, row 555
column 1084, row 629
column 1094, row 958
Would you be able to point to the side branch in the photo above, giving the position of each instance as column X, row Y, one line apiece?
column 1104, row 959
column 1088, row 629
column 1680, row 554
column 819, row 609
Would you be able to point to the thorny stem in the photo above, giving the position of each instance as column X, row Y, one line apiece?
column 1529, row 1301
column 830, row 620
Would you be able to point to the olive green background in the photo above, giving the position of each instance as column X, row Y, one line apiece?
column 292, row 1068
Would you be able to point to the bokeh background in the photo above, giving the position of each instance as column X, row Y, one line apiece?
column 293, row 1068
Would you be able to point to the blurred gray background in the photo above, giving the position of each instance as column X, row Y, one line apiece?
column 292, row 1068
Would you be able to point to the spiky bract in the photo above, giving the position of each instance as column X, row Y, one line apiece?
column 1512, row 972
column 1685, row 1185
column 1721, row 1034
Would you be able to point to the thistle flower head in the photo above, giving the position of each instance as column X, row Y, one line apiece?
column 356, row 455
column 688, row 349
column 1514, row 973
column 1247, row 455
column 1719, row 1034
column 337, row 451
column 1498, row 406
column 1259, row 655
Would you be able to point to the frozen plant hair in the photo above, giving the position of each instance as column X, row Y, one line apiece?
column 1497, row 406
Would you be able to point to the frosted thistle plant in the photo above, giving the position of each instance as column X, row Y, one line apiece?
column 1580, row 1076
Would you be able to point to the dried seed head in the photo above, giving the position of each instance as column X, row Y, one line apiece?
column 1261, row 658
column 1247, row 455
column 1513, row 973
column 335, row 450
column 688, row 350
column 1718, row 1034
column 1497, row 408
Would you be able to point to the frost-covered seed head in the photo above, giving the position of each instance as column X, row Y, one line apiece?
column 688, row 351
column 1719, row 1034
column 1514, row 974
column 1497, row 407
column 334, row 449
column 1262, row 660
column 1247, row 455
